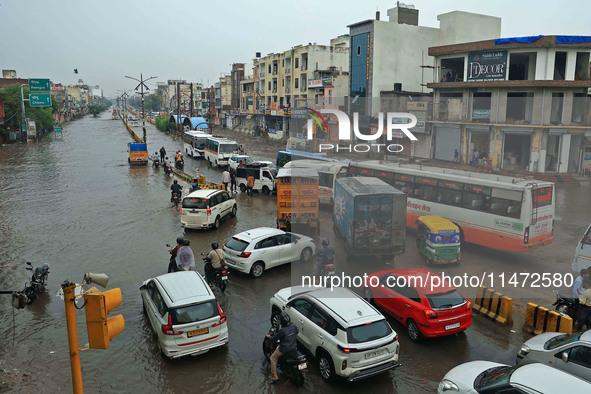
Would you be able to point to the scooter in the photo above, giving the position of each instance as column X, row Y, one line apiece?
column 37, row 283
column 293, row 364
column 566, row 305
column 220, row 275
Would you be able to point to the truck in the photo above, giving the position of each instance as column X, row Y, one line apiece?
column 264, row 177
column 297, row 198
column 370, row 215
column 138, row 153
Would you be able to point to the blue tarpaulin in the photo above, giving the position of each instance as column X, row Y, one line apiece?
column 509, row 40
column 176, row 120
column 572, row 39
column 198, row 122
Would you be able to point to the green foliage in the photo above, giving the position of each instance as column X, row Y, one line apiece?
column 152, row 103
column 97, row 109
column 11, row 95
column 162, row 123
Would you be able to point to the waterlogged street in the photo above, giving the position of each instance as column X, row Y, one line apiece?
column 75, row 203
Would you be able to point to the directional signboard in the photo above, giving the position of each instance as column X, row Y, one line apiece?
column 40, row 100
column 39, row 85
column 57, row 129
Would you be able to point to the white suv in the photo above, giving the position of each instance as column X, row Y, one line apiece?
column 206, row 208
column 255, row 250
column 349, row 337
column 184, row 314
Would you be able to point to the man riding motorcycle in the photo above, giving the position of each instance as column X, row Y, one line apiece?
column 156, row 159
column 194, row 187
column 175, row 189
column 287, row 342
column 215, row 257
column 185, row 260
column 167, row 165
column 172, row 263
column 324, row 256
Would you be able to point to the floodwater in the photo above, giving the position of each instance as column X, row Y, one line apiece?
column 72, row 201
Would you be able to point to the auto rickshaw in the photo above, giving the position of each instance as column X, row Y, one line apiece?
column 438, row 240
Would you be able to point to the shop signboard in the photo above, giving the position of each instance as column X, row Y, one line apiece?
column 487, row 66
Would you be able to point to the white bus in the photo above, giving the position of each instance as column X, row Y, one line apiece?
column 327, row 175
column 495, row 211
column 194, row 143
column 218, row 150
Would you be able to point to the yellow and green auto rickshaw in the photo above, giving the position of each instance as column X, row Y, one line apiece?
column 438, row 240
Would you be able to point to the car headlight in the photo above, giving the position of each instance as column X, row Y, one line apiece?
column 448, row 385
column 524, row 350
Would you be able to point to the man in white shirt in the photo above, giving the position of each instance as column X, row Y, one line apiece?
column 225, row 178
column 578, row 285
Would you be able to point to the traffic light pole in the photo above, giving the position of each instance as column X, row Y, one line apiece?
column 69, row 300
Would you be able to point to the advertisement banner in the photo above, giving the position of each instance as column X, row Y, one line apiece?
column 487, row 66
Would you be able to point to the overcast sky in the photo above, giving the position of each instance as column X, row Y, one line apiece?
column 197, row 40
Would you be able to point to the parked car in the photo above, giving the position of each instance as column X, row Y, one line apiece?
column 407, row 296
column 184, row 314
column 206, row 208
column 348, row 337
column 235, row 160
column 254, row 251
column 568, row 352
column 488, row 377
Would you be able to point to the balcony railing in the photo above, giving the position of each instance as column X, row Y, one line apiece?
column 274, row 72
column 287, row 90
column 261, row 74
column 274, row 90
column 288, row 70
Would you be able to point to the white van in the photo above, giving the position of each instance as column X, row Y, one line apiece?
column 327, row 175
column 583, row 252
column 264, row 177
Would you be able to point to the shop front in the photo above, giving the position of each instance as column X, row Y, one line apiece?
column 517, row 142
column 448, row 138
column 478, row 138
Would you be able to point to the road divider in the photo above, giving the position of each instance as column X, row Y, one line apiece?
column 494, row 305
column 539, row 319
column 200, row 180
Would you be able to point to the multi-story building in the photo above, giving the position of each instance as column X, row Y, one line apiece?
column 522, row 103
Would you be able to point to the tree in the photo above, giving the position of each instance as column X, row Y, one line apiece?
column 96, row 109
column 11, row 95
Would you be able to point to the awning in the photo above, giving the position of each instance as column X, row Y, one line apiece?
column 518, row 130
column 556, row 131
column 478, row 129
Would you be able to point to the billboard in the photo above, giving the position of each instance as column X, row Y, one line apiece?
column 487, row 66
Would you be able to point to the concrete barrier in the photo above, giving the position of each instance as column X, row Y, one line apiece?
column 494, row 305
column 539, row 319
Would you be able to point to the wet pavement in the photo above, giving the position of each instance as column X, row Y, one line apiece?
column 75, row 203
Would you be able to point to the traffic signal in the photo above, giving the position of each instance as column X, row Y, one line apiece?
column 101, row 329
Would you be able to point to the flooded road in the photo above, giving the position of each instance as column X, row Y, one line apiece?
column 74, row 202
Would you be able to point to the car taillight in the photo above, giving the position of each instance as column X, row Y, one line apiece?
column 208, row 210
column 222, row 317
column 429, row 314
column 348, row 350
column 181, row 210
column 526, row 235
column 167, row 328
column 245, row 254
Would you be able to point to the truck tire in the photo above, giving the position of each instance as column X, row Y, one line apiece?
column 266, row 190
column 242, row 188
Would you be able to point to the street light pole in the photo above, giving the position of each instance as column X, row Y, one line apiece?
column 142, row 85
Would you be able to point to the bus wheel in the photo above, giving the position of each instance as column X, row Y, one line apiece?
column 242, row 188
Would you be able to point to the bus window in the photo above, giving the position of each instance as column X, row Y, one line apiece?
column 404, row 183
column 325, row 179
column 425, row 189
column 476, row 197
column 450, row 192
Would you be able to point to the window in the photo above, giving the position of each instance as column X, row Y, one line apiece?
column 269, row 85
column 158, row 302
column 404, row 183
column 560, row 340
column 267, row 175
column 283, row 239
column 579, row 107
column 266, row 243
column 224, row 196
column 450, row 192
column 195, row 203
column 150, row 288
column 320, row 319
column 358, row 50
column 425, row 189
column 559, row 66
column 325, row 179
column 194, row 313
column 476, row 197
column 446, row 300
column 522, row 66
column 302, row 306
column 236, row 244
column 269, row 69
column 481, row 106
column 368, row 332
column 556, row 110
column 296, row 81
column 519, row 106
column 582, row 66
column 580, row 355
column 452, row 70
column 297, row 63
column 409, row 292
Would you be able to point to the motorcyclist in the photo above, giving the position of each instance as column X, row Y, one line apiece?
column 287, row 342
column 175, row 189
column 156, row 159
column 167, row 163
column 178, row 157
column 185, row 260
column 172, row 263
column 194, row 187
column 324, row 256
column 216, row 258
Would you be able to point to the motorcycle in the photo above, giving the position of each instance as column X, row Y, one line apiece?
column 220, row 276
column 156, row 163
column 293, row 364
column 176, row 199
column 328, row 269
column 37, row 283
column 172, row 263
column 167, row 170
column 180, row 164
column 566, row 305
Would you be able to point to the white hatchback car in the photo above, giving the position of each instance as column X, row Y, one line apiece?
column 254, row 251
column 184, row 314
column 206, row 208
column 477, row 377
column 348, row 336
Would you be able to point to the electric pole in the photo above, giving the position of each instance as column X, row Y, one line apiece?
column 141, row 86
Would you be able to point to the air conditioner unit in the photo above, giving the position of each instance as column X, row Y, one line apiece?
column 588, row 91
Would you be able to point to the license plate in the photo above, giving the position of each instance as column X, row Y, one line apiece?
column 374, row 354
column 302, row 366
column 224, row 278
column 452, row 326
column 197, row 332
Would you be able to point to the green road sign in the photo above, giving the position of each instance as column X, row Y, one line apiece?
column 40, row 100
column 39, row 85
column 57, row 129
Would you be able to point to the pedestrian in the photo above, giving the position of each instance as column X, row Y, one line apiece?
column 249, row 185
column 578, row 285
column 225, row 178
column 241, row 149
column 456, row 156
column 476, row 154
column 584, row 315
column 162, row 154
column 233, row 181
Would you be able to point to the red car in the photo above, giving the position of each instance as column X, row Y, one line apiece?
column 408, row 296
